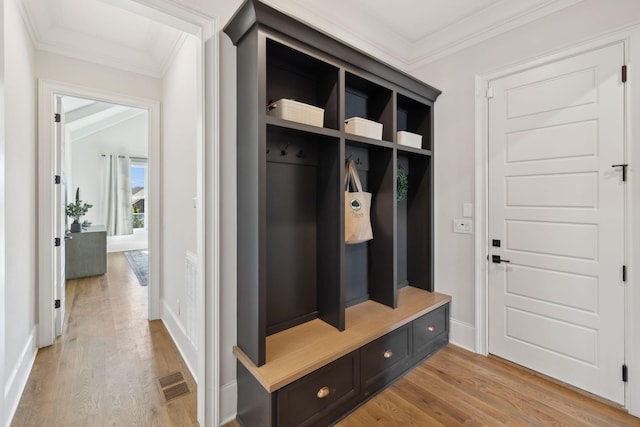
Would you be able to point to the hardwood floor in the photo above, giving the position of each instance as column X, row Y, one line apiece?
column 458, row 388
column 104, row 369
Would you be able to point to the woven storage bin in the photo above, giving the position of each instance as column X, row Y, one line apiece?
column 363, row 127
column 409, row 139
column 295, row 111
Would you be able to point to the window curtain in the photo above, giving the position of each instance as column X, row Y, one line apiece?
column 118, row 215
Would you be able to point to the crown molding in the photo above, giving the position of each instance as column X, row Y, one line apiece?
column 478, row 28
column 54, row 40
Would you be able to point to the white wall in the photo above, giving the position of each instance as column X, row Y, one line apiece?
column 80, row 73
column 180, row 134
column 20, row 174
column 128, row 138
column 2, row 208
column 228, row 228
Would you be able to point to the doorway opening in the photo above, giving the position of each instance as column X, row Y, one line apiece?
column 171, row 88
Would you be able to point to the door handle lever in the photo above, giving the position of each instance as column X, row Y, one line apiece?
column 624, row 170
column 497, row 260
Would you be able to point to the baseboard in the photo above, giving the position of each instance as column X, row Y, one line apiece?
column 18, row 376
column 462, row 334
column 228, row 402
column 177, row 332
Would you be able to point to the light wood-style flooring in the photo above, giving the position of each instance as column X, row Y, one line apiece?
column 458, row 388
column 104, row 369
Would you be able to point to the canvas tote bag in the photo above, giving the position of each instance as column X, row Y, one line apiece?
column 357, row 205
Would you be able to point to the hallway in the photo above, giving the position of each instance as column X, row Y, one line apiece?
column 104, row 369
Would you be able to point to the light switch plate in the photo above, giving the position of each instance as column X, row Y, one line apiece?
column 462, row 226
column 467, row 210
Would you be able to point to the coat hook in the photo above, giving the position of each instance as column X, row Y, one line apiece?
column 358, row 162
column 268, row 150
column 301, row 154
column 283, row 151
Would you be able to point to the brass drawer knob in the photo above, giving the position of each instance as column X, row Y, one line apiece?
column 388, row 354
column 323, row 392
column 431, row 328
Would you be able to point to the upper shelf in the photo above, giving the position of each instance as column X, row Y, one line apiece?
column 254, row 12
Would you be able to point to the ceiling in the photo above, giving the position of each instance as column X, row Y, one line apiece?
column 84, row 117
column 405, row 33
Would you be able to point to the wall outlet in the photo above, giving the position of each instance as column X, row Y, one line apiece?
column 462, row 226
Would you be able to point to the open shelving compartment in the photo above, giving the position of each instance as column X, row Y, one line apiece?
column 294, row 75
column 414, row 223
column 415, row 117
column 302, row 229
column 369, row 267
column 369, row 100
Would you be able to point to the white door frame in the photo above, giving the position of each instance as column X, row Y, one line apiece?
column 47, row 91
column 631, row 39
column 208, row 185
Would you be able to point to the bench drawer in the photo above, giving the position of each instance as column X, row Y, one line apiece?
column 310, row 399
column 385, row 358
column 431, row 331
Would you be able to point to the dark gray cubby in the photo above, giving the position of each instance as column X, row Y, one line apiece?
column 370, row 101
column 369, row 266
column 415, row 117
column 301, row 260
column 295, row 75
column 293, row 265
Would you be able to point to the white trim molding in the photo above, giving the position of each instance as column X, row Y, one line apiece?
column 16, row 379
column 630, row 37
column 228, row 402
column 179, row 336
column 462, row 334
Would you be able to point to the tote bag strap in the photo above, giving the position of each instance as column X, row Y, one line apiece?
column 355, row 178
column 347, row 176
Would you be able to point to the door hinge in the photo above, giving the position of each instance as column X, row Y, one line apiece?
column 625, row 373
column 624, row 74
column 56, row 304
column 56, row 241
column 57, row 118
column 56, row 179
column 489, row 93
column 624, row 273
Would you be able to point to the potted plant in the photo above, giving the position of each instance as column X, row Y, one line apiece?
column 77, row 210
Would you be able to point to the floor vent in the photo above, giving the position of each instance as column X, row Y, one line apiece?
column 175, row 391
column 173, row 386
column 170, row 379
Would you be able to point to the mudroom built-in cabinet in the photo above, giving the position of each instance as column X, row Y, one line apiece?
column 323, row 325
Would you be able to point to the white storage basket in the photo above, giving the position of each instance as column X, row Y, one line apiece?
column 295, row 111
column 363, row 127
column 409, row 139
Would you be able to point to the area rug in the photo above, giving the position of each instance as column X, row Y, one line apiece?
column 139, row 262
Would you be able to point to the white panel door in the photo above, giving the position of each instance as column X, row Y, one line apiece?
column 556, row 206
column 60, row 219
